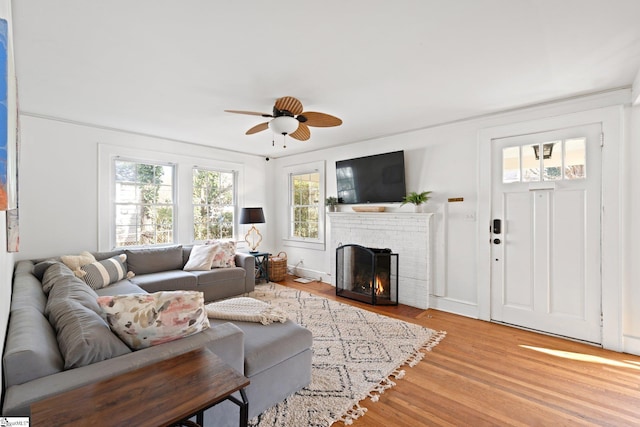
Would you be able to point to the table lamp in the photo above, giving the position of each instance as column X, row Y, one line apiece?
column 252, row 216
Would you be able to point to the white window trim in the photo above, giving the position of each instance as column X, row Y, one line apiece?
column 183, row 178
column 297, row 242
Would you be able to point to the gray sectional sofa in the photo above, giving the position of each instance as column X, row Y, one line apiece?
column 276, row 358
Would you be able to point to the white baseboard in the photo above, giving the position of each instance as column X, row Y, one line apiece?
column 463, row 308
column 631, row 344
column 308, row 273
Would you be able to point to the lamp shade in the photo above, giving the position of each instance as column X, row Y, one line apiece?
column 284, row 125
column 251, row 216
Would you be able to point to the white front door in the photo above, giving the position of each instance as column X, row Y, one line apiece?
column 546, row 232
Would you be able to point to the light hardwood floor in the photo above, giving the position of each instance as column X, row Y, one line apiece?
column 485, row 374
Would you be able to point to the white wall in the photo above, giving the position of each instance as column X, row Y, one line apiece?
column 631, row 290
column 59, row 182
column 444, row 159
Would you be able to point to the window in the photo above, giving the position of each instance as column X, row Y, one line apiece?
column 213, row 204
column 305, row 205
column 143, row 203
column 305, row 197
column 558, row 160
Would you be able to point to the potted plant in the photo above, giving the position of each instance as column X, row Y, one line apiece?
column 331, row 203
column 416, row 199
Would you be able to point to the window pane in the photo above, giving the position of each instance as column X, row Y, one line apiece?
column 511, row 164
column 143, row 203
column 552, row 160
column 305, row 197
column 213, row 204
column 125, row 171
column 575, row 158
column 530, row 165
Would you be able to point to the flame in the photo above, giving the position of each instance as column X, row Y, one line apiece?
column 379, row 287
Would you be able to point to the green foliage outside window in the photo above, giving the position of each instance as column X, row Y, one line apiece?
column 305, row 205
column 213, row 204
column 143, row 203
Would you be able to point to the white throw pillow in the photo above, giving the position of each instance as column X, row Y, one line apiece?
column 200, row 258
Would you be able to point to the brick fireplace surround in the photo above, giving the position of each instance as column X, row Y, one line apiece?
column 407, row 234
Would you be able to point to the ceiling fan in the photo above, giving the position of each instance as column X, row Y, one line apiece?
column 288, row 118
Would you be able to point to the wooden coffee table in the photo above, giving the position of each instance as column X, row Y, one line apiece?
column 159, row 394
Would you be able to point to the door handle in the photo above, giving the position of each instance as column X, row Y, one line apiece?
column 497, row 226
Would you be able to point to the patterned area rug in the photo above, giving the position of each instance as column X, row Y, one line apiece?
column 356, row 355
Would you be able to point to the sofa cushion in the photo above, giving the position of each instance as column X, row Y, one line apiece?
column 266, row 346
column 200, row 258
column 153, row 260
column 120, row 288
column 102, row 273
column 27, row 289
column 42, row 266
column 217, row 274
column 143, row 320
column 32, row 350
column 83, row 335
column 54, row 274
column 166, row 281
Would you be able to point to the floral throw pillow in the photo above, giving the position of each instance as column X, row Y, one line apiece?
column 144, row 320
column 224, row 253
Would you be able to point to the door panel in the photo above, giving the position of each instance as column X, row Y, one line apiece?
column 518, row 270
column 546, row 265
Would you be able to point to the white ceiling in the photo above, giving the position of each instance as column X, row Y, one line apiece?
column 169, row 68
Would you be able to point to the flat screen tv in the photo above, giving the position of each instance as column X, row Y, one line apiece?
column 371, row 179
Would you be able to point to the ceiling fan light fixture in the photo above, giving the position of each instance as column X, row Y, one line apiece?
column 283, row 125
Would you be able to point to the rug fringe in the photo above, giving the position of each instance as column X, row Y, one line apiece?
column 374, row 395
column 353, row 414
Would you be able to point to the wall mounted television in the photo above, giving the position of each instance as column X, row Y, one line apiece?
column 371, row 179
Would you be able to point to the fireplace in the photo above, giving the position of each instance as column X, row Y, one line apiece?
column 367, row 274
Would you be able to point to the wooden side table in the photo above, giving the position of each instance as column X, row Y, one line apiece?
column 160, row 394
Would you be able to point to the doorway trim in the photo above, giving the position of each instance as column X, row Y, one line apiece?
column 611, row 120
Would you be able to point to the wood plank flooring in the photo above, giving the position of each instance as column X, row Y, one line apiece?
column 485, row 374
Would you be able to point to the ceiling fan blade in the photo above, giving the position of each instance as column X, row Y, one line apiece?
column 302, row 134
column 258, row 128
column 251, row 113
column 321, row 119
column 290, row 104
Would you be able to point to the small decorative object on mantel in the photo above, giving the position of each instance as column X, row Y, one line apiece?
column 416, row 199
column 368, row 208
column 331, row 203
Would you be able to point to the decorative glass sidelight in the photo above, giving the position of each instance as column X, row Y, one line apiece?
column 367, row 275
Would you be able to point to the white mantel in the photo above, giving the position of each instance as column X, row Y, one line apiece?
column 407, row 234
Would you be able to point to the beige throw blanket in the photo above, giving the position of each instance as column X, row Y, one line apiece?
column 247, row 310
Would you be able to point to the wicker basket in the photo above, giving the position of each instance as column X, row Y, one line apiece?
column 278, row 267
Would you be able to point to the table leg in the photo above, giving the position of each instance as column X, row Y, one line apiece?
column 244, row 407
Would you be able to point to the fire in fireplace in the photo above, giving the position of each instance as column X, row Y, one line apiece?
column 367, row 274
